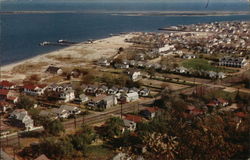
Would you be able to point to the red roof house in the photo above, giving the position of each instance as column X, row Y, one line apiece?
column 133, row 118
column 7, row 85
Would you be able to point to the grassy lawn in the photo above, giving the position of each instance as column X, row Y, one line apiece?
column 97, row 152
column 202, row 64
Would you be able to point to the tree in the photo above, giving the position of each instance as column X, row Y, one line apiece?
column 161, row 145
column 25, row 102
column 113, row 128
column 54, row 127
column 57, row 149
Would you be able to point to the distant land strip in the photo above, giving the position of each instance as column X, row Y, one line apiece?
column 137, row 13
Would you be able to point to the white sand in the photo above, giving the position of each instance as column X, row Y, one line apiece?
column 80, row 54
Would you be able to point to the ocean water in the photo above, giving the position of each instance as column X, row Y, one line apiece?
column 21, row 33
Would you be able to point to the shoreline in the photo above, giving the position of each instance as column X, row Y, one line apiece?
column 78, row 54
column 135, row 13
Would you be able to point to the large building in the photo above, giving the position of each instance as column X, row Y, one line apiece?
column 233, row 62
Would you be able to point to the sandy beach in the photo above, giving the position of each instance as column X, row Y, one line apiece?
column 77, row 55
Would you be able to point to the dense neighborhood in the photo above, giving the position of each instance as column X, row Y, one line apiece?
column 180, row 94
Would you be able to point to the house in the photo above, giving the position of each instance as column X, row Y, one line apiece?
column 221, row 75
column 113, row 90
column 134, row 75
column 233, row 62
column 3, row 94
column 59, row 87
column 83, row 98
column 71, row 109
column 54, row 70
column 60, row 113
column 129, row 97
column 75, row 73
column 48, row 114
column 67, row 96
column 9, row 95
column 108, row 102
column 134, row 89
column 20, row 117
column 144, row 92
column 130, row 121
column 103, row 62
column 149, row 112
column 222, row 102
column 212, row 74
column 7, row 85
column 121, row 66
column 122, row 156
column 42, row 157
column 102, row 89
column 181, row 70
column 123, row 90
column 188, row 56
column 94, row 102
column 4, row 106
column 91, row 90
column 165, row 48
column 34, row 90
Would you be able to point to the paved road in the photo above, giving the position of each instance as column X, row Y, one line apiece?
column 14, row 139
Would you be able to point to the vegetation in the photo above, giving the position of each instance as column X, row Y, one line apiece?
column 113, row 128
column 200, row 64
column 25, row 102
column 54, row 128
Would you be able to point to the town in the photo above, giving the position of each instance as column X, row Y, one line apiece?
column 162, row 82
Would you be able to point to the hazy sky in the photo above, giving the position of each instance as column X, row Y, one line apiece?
column 143, row 1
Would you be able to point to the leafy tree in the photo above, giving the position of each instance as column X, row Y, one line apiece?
column 25, row 102
column 57, row 149
column 113, row 128
column 54, row 127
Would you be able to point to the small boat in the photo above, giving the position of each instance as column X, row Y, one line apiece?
column 44, row 43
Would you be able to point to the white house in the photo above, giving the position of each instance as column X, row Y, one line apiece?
column 35, row 90
column 71, row 109
column 67, row 96
column 20, row 117
column 167, row 47
column 144, row 92
column 129, row 97
column 134, row 75
column 60, row 113
column 108, row 101
column 189, row 56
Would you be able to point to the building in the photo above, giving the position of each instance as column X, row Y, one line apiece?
column 7, row 85
column 149, row 112
column 130, row 97
column 130, row 121
column 108, row 102
column 54, row 70
column 42, row 157
column 233, row 62
column 134, row 75
column 71, row 109
column 144, row 92
column 67, row 96
column 188, row 56
column 20, row 118
column 60, row 113
column 34, row 90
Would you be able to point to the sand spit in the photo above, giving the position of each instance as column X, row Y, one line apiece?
column 80, row 54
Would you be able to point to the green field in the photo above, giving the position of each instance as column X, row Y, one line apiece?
column 202, row 64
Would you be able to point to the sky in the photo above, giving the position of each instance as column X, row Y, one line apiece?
column 143, row 1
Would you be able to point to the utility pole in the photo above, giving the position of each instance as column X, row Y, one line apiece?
column 121, row 110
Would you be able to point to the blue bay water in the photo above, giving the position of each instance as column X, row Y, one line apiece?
column 21, row 33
